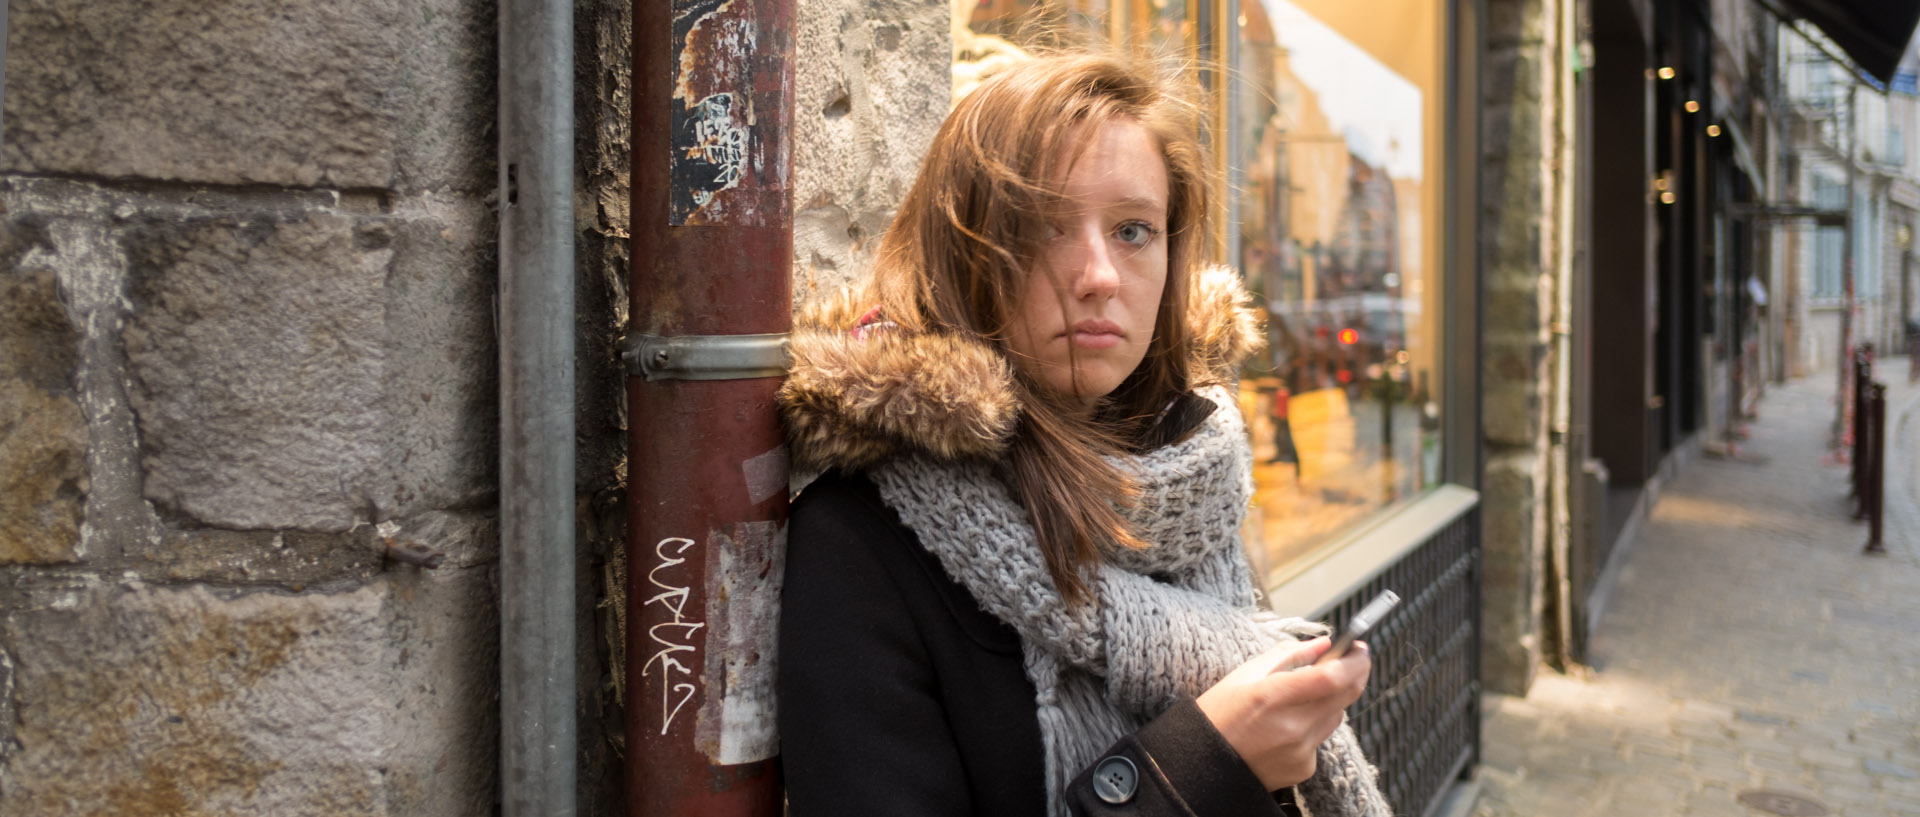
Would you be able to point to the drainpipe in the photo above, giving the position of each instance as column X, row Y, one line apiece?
column 1843, row 418
column 711, row 306
column 1564, row 463
column 537, row 628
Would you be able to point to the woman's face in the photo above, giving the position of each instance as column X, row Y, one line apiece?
column 1087, row 312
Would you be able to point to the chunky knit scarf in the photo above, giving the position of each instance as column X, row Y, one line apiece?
column 1169, row 621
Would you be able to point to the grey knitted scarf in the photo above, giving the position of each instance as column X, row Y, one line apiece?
column 1169, row 621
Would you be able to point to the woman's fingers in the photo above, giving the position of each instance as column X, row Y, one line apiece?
column 1276, row 709
column 1344, row 679
column 1353, row 669
column 1288, row 655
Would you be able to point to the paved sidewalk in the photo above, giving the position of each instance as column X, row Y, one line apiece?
column 1748, row 644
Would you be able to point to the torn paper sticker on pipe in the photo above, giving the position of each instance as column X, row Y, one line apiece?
column 745, row 565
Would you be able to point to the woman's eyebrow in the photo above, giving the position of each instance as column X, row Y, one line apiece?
column 1139, row 203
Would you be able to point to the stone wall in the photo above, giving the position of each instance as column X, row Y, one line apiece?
column 246, row 346
column 1517, row 245
column 873, row 86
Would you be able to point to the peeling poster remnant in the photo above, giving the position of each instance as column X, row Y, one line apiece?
column 726, row 155
column 737, row 720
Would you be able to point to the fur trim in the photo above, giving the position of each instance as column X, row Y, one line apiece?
column 852, row 401
column 1226, row 328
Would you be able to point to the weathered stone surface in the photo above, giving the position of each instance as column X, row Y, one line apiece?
column 1517, row 240
column 361, row 93
column 875, row 92
column 440, row 435
column 312, row 369
column 255, row 347
column 1514, row 394
column 1511, row 21
column 143, row 700
column 43, row 441
column 1513, row 536
column 297, row 560
column 43, row 434
column 91, row 268
column 291, row 559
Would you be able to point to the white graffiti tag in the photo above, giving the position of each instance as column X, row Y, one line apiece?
column 679, row 634
column 719, row 140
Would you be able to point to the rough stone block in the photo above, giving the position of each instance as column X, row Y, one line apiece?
column 1516, row 21
column 255, row 352
column 1513, row 407
column 1512, row 487
column 312, row 369
column 1513, row 536
column 143, row 700
column 352, row 94
column 296, row 560
column 1519, row 300
column 1513, row 110
column 862, row 124
column 439, row 364
column 43, row 433
column 1511, row 414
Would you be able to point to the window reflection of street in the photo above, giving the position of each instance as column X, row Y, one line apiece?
column 1333, row 239
column 1345, row 464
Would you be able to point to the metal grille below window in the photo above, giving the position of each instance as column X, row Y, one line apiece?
column 1419, row 721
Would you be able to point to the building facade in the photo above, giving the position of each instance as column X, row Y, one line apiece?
column 1519, row 259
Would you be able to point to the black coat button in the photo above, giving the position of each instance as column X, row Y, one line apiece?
column 1115, row 780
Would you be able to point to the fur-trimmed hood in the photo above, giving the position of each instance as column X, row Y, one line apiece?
column 853, row 398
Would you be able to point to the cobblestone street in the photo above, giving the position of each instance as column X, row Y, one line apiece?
column 1747, row 645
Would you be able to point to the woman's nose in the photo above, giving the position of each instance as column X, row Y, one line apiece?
column 1094, row 272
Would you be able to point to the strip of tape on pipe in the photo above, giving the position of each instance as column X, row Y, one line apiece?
column 765, row 475
column 745, row 567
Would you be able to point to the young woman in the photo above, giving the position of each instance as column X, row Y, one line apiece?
column 1017, row 589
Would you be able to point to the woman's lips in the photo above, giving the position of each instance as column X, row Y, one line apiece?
column 1094, row 333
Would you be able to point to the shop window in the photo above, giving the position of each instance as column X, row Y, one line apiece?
column 1338, row 118
column 1328, row 128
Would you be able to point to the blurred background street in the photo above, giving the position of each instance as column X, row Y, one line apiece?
column 1749, row 645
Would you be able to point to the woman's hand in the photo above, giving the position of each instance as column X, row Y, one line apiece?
column 1277, row 716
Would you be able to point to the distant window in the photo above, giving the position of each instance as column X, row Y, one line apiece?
column 1830, row 243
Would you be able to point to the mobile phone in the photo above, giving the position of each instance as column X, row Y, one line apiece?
column 1362, row 623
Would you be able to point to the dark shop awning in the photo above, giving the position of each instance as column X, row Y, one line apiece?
column 1873, row 32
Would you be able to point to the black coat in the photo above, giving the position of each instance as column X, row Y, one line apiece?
column 900, row 696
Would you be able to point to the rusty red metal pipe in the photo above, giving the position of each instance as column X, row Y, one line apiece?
column 713, row 246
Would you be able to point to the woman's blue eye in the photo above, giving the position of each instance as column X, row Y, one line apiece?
column 1137, row 233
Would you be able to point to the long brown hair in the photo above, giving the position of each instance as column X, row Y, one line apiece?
column 965, row 240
